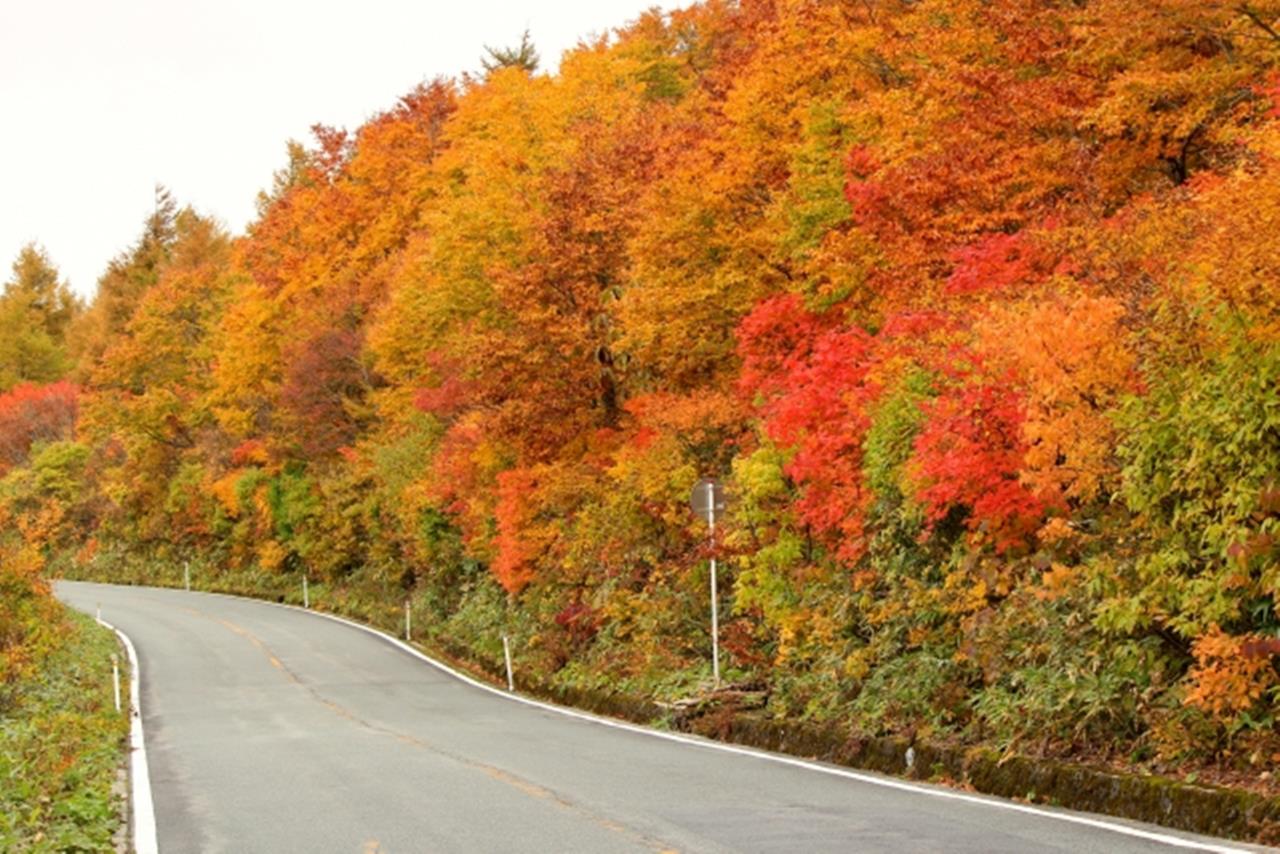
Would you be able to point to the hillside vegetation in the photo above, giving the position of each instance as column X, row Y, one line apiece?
column 974, row 305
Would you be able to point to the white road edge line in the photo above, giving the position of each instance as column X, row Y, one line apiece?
column 781, row 759
column 144, row 811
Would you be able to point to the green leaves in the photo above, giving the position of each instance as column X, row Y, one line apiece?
column 36, row 309
column 61, row 745
column 1200, row 450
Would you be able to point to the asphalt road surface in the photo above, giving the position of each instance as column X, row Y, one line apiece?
column 274, row 730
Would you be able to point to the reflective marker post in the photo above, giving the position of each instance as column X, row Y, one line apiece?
column 506, row 653
column 115, row 678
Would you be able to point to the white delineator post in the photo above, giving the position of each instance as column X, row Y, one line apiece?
column 715, row 605
column 115, row 678
column 506, row 652
column 408, row 621
column 306, row 593
column 186, row 575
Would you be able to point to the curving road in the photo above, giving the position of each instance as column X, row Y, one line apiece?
column 274, row 730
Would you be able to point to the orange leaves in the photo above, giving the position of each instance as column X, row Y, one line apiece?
column 708, row 420
column 1232, row 254
column 1179, row 74
column 1271, row 91
column 1073, row 360
column 514, row 562
column 321, row 256
column 1231, row 673
column 250, row 452
column 225, row 491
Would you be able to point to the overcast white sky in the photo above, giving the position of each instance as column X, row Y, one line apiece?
column 102, row 99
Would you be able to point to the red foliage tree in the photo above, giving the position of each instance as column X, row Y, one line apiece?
column 815, row 384
column 34, row 413
column 968, row 456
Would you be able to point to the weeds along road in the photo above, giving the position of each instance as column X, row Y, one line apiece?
column 275, row 730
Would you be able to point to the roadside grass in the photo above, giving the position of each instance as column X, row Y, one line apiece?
column 62, row 745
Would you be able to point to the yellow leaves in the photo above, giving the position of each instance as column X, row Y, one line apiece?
column 271, row 555
column 224, row 491
column 598, row 85
column 858, row 665
column 1058, row 581
column 972, row 597
column 261, row 504
column 803, row 632
column 247, row 371
column 657, row 475
column 27, row 562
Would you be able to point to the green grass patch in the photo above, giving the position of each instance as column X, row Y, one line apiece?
column 61, row 745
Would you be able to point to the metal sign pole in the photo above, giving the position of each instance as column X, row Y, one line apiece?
column 715, row 604
column 707, row 497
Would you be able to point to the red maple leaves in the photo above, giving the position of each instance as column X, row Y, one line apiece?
column 33, row 413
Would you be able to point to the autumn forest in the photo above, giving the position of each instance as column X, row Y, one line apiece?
column 973, row 306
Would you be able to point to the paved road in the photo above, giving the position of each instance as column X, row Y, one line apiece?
column 274, row 730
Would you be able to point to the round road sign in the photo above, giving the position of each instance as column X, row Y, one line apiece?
column 708, row 496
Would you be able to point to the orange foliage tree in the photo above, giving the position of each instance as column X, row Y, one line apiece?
column 971, row 303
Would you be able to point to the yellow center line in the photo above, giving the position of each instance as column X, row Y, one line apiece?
column 516, row 782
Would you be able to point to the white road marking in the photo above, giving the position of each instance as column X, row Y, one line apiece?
column 144, row 811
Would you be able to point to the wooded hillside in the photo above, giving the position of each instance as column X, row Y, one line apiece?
column 974, row 305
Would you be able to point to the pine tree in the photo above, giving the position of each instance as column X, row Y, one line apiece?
column 128, row 276
column 523, row 56
column 36, row 307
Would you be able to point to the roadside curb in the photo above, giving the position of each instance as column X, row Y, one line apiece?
column 142, row 813
column 1165, row 801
